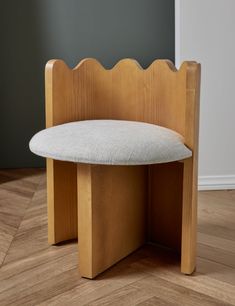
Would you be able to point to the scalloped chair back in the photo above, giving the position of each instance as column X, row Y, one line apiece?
column 158, row 94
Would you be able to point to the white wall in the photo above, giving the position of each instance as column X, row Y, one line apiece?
column 205, row 32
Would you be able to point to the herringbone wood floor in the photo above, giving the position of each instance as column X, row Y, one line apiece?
column 34, row 273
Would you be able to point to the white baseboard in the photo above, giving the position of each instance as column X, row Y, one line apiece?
column 216, row 182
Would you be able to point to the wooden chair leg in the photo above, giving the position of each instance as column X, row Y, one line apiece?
column 61, row 200
column 189, row 217
column 165, row 204
column 111, row 214
column 173, row 209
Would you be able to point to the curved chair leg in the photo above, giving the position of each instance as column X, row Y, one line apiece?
column 189, row 218
column 61, row 200
column 111, row 214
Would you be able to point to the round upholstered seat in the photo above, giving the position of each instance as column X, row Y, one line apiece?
column 110, row 142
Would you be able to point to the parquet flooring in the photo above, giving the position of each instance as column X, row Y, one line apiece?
column 34, row 273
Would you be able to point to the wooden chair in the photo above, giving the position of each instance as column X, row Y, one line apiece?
column 156, row 203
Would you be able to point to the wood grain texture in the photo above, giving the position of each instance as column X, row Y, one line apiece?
column 17, row 190
column 161, row 95
column 112, row 214
column 165, row 204
column 62, row 201
column 61, row 176
column 156, row 95
column 35, row 273
column 190, row 176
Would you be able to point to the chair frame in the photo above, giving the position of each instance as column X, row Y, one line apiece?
column 113, row 210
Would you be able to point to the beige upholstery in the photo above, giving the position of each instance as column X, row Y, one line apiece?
column 110, row 142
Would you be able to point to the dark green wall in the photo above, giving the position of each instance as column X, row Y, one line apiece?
column 34, row 31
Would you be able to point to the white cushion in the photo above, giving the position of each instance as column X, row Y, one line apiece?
column 110, row 142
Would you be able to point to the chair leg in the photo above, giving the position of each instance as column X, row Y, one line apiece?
column 173, row 209
column 111, row 214
column 189, row 218
column 61, row 200
column 165, row 204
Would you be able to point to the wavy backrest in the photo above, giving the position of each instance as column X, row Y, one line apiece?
column 160, row 94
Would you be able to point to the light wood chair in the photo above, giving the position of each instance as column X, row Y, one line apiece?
column 156, row 203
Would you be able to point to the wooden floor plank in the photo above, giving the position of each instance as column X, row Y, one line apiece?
column 155, row 301
column 217, row 242
column 127, row 295
column 34, row 273
column 218, row 255
column 31, row 235
column 204, row 284
column 17, row 187
column 216, row 270
column 173, row 293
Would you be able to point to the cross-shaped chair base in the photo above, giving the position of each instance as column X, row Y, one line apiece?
column 113, row 210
